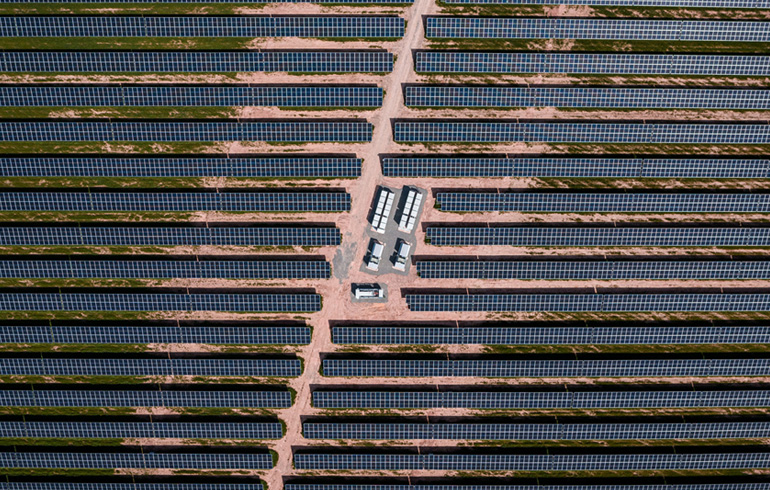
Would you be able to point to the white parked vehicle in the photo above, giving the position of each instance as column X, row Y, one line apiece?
column 375, row 254
column 368, row 291
column 402, row 255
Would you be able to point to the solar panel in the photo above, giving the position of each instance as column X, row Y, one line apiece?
column 607, row 270
column 347, row 61
column 534, row 432
column 172, row 131
column 600, row 202
column 400, row 368
column 159, row 302
column 587, row 335
column 529, row 462
column 344, row 486
column 317, row 236
column 433, row 131
column 589, row 63
column 122, row 430
column 129, row 398
column 625, row 302
column 189, row 96
column 598, row 237
column 182, row 334
column 539, row 400
column 327, row 202
column 334, row 26
column 584, row 97
column 165, row 269
column 613, row 29
column 261, row 167
column 149, row 367
column 729, row 4
column 148, row 460
column 683, row 168
column 165, row 486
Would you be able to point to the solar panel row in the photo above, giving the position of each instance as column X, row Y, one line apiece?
column 166, row 269
column 262, row 167
column 626, row 302
column 159, row 302
column 611, row 270
column 540, row 400
column 318, row 236
column 122, row 430
column 587, row 63
column 727, row 4
column 188, row 486
column 128, row 398
column 171, row 131
column 189, row 96
column 434, row 131
column 614, row 29
column 550, row 335
column 598, row 237
column 31, row 366
column 344, row 486
column 342, row 26
column 292, row 201
column 196, row 61
column 401, row 368
column 252, row 335
column 584, row 97
column 536, row 432
column 600, row 202
column 530, row 462
column 149, row 460
column 684, row 168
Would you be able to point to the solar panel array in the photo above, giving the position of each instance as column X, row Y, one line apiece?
column 587, row 335
column 598, row 237
column 287, row 302
column 400, row 368
column 128, row 398
column 530, row 462
column 588, row 63
column 363, row 2
column 251, row 335
column 196, row 61
column 261, row 167
column 173, row 131
column 122, row 430
column 172, row 486
column 31, row 366
column 148, row 460
column 728, row 4
column 229, row 201
column 584, row 97
column 322, row 486
column 166, row 269
column 434, row 131
column 337, row 26
column 683, row 168
column 189, row 96
column 600, row 202
column 625, row 29
column 610, row 270
column 318, row 236
column 544, row 400
column 535, row 432
column 627, row 302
